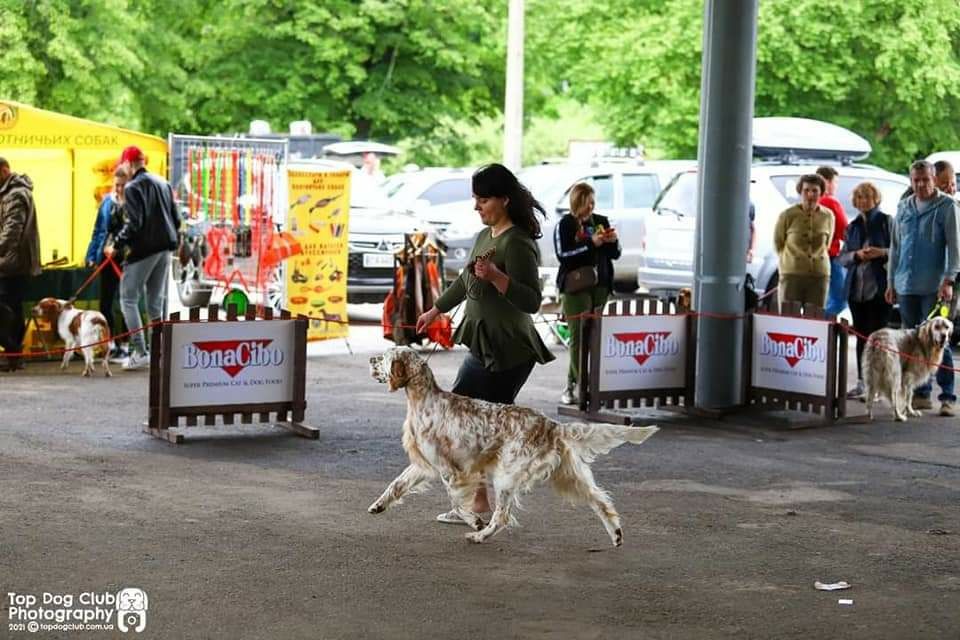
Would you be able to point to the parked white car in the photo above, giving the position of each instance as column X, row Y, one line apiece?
column 668, row 262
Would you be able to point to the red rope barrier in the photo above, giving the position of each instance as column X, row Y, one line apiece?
column 586, row 314
column 62, row 350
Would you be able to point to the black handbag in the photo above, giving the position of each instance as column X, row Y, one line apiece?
column 580, row 279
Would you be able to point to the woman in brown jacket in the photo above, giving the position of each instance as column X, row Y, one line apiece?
column 802, row 239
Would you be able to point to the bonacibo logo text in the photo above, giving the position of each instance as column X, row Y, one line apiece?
column 791, row 348
column 233, row 356
column 641, row 345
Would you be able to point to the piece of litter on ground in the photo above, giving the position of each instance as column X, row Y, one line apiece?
column 791, row 512
column 938, row 532
column 843, row 601
column 832, row 586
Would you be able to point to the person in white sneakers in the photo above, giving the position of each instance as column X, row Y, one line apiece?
column 149, row 234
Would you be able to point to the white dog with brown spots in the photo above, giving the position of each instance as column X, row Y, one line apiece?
column 464, row 441
column 82, row 329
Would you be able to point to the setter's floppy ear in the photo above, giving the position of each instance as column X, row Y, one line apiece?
column 925, row 334
column 398, row 374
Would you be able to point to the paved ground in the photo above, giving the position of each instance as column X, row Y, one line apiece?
column 250, row 532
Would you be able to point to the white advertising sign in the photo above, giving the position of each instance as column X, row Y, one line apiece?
column 643, row 352
column 790, row 354
column 216, row 363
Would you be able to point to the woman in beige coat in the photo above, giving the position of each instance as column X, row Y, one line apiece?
column 802, row 238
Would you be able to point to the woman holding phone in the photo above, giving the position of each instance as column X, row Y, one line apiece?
column 586, row 247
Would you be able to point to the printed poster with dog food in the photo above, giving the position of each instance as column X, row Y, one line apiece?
column 643, row 352
column 790, row 354
column 317, row 278
column 223, row 363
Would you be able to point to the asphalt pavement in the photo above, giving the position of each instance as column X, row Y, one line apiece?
column 252, row 532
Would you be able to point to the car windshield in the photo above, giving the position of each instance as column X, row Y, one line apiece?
column 680, row 196
column 365, row 194
column 393, row 184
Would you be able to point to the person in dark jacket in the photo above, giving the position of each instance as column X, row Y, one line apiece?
column 148, row 236
column 19, row 253
column 107, row 226
column 501, row 288
column 583, row 238
column 865, row 258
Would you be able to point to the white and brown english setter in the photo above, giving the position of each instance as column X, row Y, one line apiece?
column 887, row 373
column 463, row 440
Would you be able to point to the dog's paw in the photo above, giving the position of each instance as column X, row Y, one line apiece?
column 475, row 537
column 900, row 418
column 376, row 507
column 618, row 537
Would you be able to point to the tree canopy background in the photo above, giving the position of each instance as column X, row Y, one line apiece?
column 429, row 74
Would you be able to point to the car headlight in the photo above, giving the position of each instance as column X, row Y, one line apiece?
column 460, row 253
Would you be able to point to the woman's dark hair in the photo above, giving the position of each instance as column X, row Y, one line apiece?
column 496, row 181
column 812, row 178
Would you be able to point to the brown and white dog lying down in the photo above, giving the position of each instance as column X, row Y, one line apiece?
column 887, row 374
column 464, row 441
column 77, row 328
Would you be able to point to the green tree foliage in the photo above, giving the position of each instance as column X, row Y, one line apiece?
column 70, row 57
column 385, row 68
column 887, row 69
column 430, row 72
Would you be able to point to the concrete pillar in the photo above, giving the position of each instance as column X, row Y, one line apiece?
column 724, row 155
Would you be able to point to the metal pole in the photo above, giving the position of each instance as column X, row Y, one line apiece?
column 726, row 116
column 513, row 103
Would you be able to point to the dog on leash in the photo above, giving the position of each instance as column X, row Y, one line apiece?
column 887, row 374
column 79, row 328
column 464, row 441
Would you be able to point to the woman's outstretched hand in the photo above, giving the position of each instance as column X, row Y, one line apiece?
column 426, row 319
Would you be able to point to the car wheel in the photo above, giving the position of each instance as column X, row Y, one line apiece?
column 191, row 291
column 275, row 286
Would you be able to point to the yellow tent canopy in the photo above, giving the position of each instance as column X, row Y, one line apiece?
column 71, row 162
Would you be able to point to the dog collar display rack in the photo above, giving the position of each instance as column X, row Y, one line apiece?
column 250, row 366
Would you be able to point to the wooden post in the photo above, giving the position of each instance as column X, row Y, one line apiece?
column 842, row 346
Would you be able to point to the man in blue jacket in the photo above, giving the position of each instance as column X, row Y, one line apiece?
column 148, row 236
column 924, row 261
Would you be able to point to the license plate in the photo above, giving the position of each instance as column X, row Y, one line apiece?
column 378, row 260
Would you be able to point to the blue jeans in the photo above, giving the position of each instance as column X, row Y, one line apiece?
column 913, row 311
column 836, row 298
column 147, row 278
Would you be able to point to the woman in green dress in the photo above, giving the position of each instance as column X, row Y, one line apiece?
column 501, row 286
